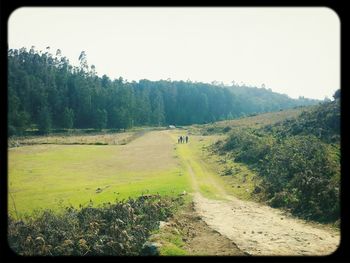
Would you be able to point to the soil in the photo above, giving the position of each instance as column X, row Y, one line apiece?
column 198, row 237
column 258, row 229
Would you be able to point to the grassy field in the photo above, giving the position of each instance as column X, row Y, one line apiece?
column 51, row 176
column 81, row 139
column 209, row 168
column 54, row 176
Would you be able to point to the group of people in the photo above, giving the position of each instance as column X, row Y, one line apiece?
column 182, row 139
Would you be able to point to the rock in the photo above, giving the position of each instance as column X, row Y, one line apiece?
column 257, row 190
column 150, row 249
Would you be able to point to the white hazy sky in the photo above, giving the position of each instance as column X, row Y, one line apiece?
column 295, row 51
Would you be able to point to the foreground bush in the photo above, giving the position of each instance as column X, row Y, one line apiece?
column 113, row 229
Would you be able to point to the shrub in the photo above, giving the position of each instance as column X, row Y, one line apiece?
column 298, row 173
column 248, row 147
column 112, row 229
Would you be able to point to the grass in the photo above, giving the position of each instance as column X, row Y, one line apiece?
column 242, row 180
column 55, row 176
column 51, row 176
column 171, row 238
column 171, row 242
column 207, row 181
column 209, row 169
column 172, row 250
column 256, row 121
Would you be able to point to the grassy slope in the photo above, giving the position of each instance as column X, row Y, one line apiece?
column 238, row 178
column 252, row 121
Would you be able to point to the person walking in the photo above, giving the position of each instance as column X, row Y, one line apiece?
column 186, row 139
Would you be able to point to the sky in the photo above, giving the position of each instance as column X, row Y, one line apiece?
column 294, row 51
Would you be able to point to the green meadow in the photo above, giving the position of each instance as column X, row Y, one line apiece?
column 54, row 176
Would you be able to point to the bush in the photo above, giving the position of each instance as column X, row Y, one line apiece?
column 298, row 160
column 299, row 174
column 226, row 129
column 248, row 147
column 323, row 122
column 113, row 229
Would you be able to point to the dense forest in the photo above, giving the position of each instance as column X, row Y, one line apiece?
column 297, row 160
column 46, row 92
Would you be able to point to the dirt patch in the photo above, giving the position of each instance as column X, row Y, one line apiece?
column 197, row 236
column 71, row 139
column 152, row 151
column 202, row 240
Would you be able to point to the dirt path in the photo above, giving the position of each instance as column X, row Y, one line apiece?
column 261, row 230
column 198, row 237
column 258, row 229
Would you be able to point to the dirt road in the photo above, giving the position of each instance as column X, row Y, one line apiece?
column 258, row 229
column 261, row 230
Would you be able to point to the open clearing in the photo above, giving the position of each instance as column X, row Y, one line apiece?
column 43, row 176
column 50, row 176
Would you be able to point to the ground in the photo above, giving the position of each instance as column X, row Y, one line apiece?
column 188, row 234
column 218, row 223
column 50, row 176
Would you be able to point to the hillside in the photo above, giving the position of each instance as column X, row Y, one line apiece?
column 297, row 160
column 46, row 92
column 253, row 121
column 257, row 100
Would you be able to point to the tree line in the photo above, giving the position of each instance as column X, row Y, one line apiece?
column 46, row 92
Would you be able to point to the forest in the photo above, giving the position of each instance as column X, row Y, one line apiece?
column 45, row 92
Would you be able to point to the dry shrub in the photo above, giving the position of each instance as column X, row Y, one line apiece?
column 120, row 228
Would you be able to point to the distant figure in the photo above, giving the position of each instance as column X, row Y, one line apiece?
column 178, row 140
column 186, row 139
